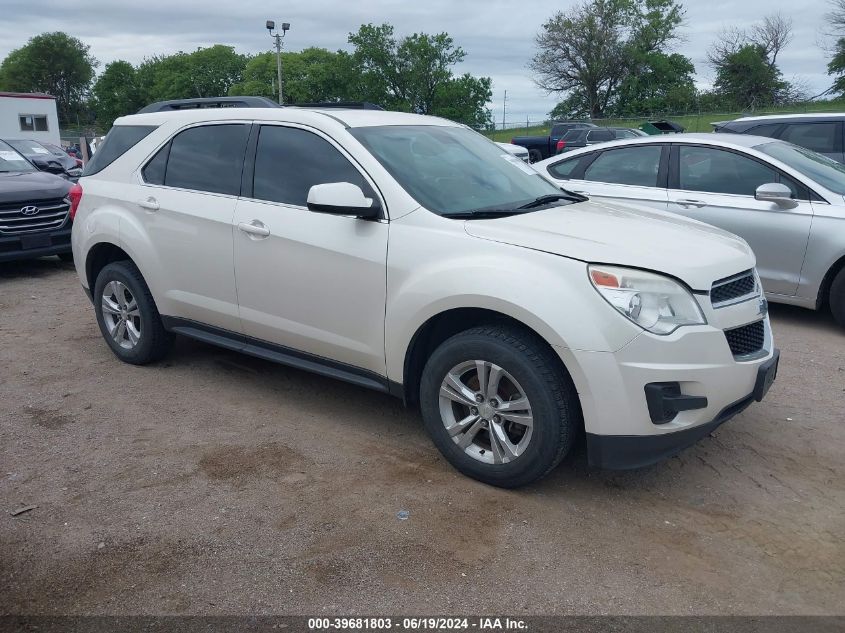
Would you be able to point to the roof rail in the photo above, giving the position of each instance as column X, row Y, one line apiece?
column 209, row 102
column 341, row 105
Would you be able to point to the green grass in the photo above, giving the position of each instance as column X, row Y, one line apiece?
column 699, row 122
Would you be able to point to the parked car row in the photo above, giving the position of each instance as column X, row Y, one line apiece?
column 784, row 200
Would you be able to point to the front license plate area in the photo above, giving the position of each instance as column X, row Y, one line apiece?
column 766, row 375
column 35, row 241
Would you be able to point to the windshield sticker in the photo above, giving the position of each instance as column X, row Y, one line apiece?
column 7, row 155
column 40, row 150
column 513, row 160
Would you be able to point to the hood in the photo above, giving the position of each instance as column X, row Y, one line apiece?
column 31, row 186
column 607, row 233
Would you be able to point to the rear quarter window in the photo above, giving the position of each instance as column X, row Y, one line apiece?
column 118, row 141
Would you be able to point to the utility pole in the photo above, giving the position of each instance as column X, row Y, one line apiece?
column 504, row 109
column 271, row 25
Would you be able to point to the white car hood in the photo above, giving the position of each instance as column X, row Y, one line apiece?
column 598, row 232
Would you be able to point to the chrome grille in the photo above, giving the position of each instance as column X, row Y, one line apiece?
column 747, row 339
column 52, row 214
column 733, row 289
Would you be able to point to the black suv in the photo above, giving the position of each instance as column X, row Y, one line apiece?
column 821, row 133
column 34, row 210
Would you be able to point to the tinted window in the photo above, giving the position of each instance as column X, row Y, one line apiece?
column 629, row 166
column 120, row 139
column 564, row 168
column 819, row 137
column 599, row 136
column 208, row 158
column 769, row 130
column 290, row 161
column 718, row 171
column 154, row 172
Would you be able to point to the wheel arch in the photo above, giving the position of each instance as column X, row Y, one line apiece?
column 441, row 326
column 823, row 297
column 99, row 256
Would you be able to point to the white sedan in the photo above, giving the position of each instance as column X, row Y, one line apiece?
column 785, row 201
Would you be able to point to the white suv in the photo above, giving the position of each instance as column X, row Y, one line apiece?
column 411, row 255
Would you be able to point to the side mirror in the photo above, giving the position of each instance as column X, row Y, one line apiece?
column 342, row 198
column 776, row 192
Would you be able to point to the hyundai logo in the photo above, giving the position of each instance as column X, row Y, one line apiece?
column 29, row 210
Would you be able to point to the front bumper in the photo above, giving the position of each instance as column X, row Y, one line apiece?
column 636, row 451
column 32, row 245
column 622, row 430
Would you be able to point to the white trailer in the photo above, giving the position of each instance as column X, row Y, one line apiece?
column 29, row 115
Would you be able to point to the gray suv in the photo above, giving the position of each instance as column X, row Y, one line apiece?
column 822, row 133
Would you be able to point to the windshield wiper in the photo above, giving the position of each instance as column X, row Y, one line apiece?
column 480, row 214
column 543, row 200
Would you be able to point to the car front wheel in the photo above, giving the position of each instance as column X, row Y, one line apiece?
column 499, row 405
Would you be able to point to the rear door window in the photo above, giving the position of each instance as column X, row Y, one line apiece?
column 637, row 166
column 819, row 137
column 206, row 158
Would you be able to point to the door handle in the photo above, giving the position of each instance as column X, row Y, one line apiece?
column 687, row 202
column 255, row 227
column 151, row 204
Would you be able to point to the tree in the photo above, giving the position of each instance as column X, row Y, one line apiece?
column 745, row 61
column 836, row 67
column 746, row 79
column 590, row 50
column 660, row 84
column 464, row 99
column 207, row 72
column 54, row 63
column 314, row 74
column 117, row 92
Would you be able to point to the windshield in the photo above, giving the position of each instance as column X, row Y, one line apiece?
column 453, row 170
column 825, row 171
column 10, row 160
column 30, row 147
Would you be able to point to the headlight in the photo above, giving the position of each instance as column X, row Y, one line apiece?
column 654, row 302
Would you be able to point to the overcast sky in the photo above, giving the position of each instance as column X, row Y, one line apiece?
column 498, row 35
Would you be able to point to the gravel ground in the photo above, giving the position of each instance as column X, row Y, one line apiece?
column 214, row 483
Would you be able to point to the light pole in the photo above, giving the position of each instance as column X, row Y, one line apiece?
column 271, row 25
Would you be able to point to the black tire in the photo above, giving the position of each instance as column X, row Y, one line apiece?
column 155, row 341
column 66, row 257
column 836, row 297
column 534, row 155
column 548, row 387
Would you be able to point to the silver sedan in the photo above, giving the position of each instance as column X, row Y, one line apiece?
column 785, row 201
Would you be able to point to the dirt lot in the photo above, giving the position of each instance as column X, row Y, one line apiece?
column 216, row 483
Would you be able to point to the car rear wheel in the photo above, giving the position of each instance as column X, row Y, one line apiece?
column 534, row 155
column 127, row 315
column 837, row 297
column 498, row 405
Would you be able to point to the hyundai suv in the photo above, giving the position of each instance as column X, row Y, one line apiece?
column 410, row 255
column 34, row 209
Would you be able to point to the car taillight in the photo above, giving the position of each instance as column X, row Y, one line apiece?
column 560, row 145
column 75, row 197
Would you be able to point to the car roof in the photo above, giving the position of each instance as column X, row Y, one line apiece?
column 806, row 115
column 736, row 141
column 349, row 118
